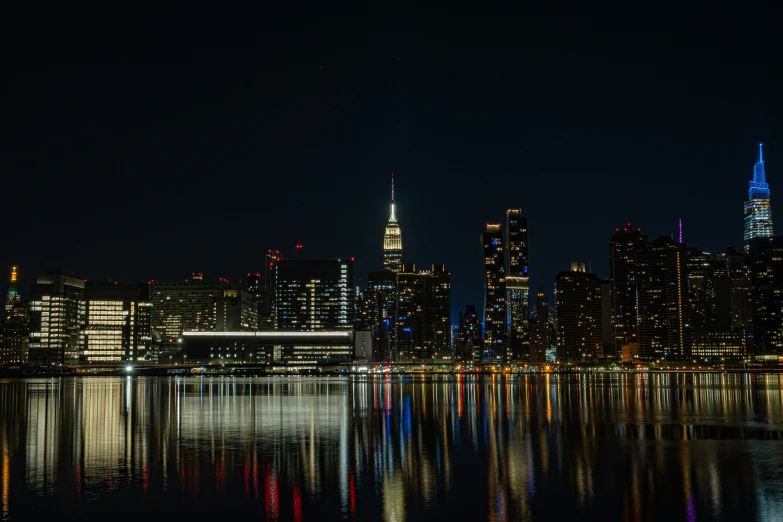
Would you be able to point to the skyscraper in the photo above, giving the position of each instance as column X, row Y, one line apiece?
column 392, row 238
column 422, row 316
column 758, row 212
column 517, row 284
column 495, row 325
column 314, row 295
column 664, row 307
column 118, row 328
column 12, row 298
column 541, row 333
column 467, row 347
column 766, row 265
column 377, row 314
column 623, row 248
column 57, row 318
column 578, row 298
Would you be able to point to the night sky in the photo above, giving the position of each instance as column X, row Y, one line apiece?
column 148, row 144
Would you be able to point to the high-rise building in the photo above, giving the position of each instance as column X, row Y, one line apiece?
column 57, row 318
column 183, row 306
column 758, row 212
column 14, row 337
column 377, row 313
column 236, row 311
column 392, row 238
column 12, row 297
column 766, row 265
column 423, row 313
column 496, row 346
column 625, row 244
column 467, row 346
column 579, row 331
column 541, row 330
column 118, row 323
column 517, row 284
column 664, row 307
column 314, row 295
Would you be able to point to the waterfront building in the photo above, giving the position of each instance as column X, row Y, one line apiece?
column 183, row 306
column 377, row 313
column 422, row 324
column 623, row 248
column 664, row 328
column 766, row 265
column 118, row 323
column 758, row 211
column 468, row 346
column 236, row 311
column 57, row 318
column 297, row 350
column 517, row 284
column 314, row 295
column 495, row 336
column 392, row 238
column 579, row 331
column 541, row 329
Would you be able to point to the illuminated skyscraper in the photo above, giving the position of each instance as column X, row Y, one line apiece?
column 517, row 284
column 422, row 315
column 578, row 297
column 377, row 313
column 467, row 347
column 314, row 295
column 12, row 297
column 57, row 318
column 541, row 333
column 758, row 212
column 392, row 238
column 623, row 249
column 766, row 265
column 495, row 326
column 118, row 326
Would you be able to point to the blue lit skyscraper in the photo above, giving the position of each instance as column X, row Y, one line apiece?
column 758, row 211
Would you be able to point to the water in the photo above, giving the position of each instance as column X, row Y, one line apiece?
column 610, row 447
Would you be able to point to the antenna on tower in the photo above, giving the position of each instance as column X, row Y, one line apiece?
column 761, row 158
column 392, row 186
column 680, row 230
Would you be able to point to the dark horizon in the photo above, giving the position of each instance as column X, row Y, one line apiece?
column 143, row 147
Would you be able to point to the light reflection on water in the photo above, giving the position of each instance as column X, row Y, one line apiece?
column 622, row 447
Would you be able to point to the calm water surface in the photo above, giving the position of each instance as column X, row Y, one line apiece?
column 610, row 447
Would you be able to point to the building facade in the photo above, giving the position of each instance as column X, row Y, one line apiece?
column 314, row 295
column 118, row 326
column 541, row 329
column 183, row 306
column 495, row 335
column 517, row 284
column 467, row 346
column 57, row 318
column 766, row 267
column 758, row 210
column 422, row 325
column 377, row 313
column 623, row 249
column 664, row 327
column 578, row 298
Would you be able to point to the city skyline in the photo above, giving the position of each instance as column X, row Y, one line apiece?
column 307, row 122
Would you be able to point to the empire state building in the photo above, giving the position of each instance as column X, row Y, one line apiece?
column 392, row 239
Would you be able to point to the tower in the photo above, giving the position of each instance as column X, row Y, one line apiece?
column 392, row 238
column 12, row 297
column 578, row 299
column 623, row 250
column 495, row 326
column 758, row 212
column 517, row 284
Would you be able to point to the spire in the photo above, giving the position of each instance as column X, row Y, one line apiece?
column 759, row 188
column 761, row 160
column 680, row 230
column 393, row 206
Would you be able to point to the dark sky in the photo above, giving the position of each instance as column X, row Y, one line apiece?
column 147, row 144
